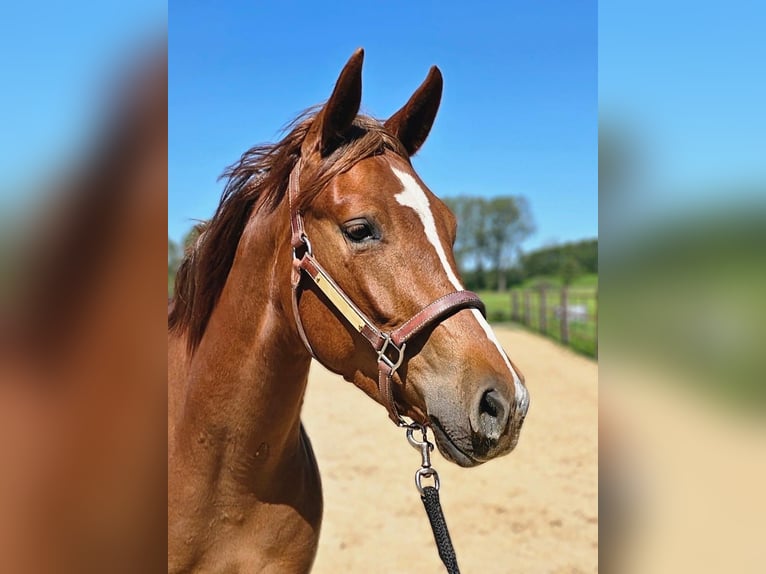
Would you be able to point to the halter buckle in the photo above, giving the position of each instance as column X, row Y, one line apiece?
column 393, row 365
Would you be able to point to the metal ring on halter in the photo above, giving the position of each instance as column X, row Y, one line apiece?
column 426, row 472
column 305, row 239
column 307, row 243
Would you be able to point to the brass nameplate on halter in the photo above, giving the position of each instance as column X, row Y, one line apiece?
column 340, row 302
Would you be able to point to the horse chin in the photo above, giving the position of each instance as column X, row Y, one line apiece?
column 449, row 449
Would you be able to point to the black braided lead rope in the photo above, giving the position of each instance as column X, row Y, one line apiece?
column 430, row 498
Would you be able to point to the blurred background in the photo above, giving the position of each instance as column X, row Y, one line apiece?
column 682, row 225
column 83, row 211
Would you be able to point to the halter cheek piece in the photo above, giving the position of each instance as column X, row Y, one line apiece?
column 384, row 344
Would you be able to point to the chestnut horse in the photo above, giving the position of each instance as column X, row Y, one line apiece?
column 244, row 492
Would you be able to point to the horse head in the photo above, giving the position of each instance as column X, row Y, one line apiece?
column 386, row 240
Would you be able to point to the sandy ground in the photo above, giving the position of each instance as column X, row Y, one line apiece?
column 692, row 474
column 535, row 510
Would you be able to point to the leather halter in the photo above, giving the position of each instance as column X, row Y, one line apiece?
column 383, row 343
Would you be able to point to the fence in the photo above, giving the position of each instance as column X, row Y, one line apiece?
column 567, row 315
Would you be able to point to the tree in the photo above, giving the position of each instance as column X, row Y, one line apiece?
column 174, row 260
column 177, row 252
column 488, row 235
column 551, row 260
column 570, row 269
column 507, row 222
column 471, row 240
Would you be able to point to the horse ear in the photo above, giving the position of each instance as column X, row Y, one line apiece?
column 412, row 123
column 340, row 110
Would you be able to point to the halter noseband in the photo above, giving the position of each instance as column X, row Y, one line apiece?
column 383, row 343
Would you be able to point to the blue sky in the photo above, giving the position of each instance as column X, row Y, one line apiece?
column 519, row 112
column 685, row 82
column 57, row 63
column 518, row 116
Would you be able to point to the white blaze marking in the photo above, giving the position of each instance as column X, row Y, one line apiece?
column 415, row 198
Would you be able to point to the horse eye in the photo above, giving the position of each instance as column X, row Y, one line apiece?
column 358, row 230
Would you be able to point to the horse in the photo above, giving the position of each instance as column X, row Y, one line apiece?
column 328, row 245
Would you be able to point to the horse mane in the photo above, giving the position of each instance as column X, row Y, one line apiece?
column 257, row 183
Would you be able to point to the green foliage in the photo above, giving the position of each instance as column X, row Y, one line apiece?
column 174, row 260
column 586, row 282
column 507, row 225
column 471, row 233
column 687, row 296
column 487, row 248
column 570, row 269
column 176, row 254
column 490, row 231
column 578, row 257
column 514, row 277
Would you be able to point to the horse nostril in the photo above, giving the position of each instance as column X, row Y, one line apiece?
column 489, row 404
column 493, row 414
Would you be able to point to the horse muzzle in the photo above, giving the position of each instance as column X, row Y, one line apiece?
column 491, row 429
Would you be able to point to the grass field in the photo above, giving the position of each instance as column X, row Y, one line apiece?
column 589, row 281
column 530, row 296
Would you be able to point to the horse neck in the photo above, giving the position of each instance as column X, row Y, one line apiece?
column 247, row 378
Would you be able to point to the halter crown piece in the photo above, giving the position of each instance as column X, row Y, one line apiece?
column 388, row 346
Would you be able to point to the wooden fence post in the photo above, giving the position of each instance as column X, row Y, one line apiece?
column 515, row 306
column 527, row 311
column 543, row 327
column 564, row 316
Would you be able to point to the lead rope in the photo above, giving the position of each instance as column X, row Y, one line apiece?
column 430, row 497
